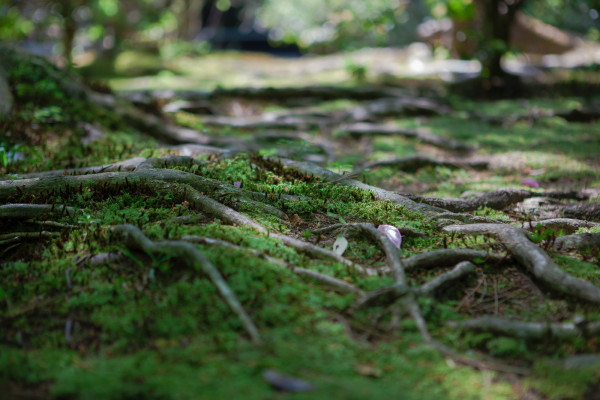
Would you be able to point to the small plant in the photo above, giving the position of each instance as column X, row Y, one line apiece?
column 10, row 153
column 357, row 72
column 341, row 168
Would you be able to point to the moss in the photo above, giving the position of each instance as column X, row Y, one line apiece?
column 153, row 327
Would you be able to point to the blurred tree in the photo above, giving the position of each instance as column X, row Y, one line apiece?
column 482, row 29
column 341, row 24
column 106, row 24
column 497, row 17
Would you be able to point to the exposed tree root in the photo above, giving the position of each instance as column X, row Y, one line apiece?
column 496, row 199
column 315, row 170
column 226, row 202
column 449, row 218
column 312, row 92
column 491, row 365
column 415, row 162
column 147, row 123
column 581, row 241
column 367, row 129
column 529, row 330
column 186, row 185
column 107, row 180
column 129, row 165
column 404, row 105
column 135, row 240
column 99, row 259
column 404, row 297
column 534, row 259
column 323, row 278
column 253, row 123
column 125, row 166
column 447, row 257
column 197, row 150
column 589, row 212
column 408, row 232
column 26, row 211
column 567, row 225
column 28, row 235
column 429, row 288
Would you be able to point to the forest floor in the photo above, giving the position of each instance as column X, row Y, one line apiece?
column 201, row 244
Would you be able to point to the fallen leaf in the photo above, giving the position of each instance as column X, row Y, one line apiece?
column 530, row 182
column 340, row 245
column 392, row 233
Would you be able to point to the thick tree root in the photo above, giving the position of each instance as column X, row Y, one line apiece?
column 449, row 218
column 16, row 236
column 367, row 129
column 496, row 199
column 134, row 239
column 27, row 211
column 99, row 259
column 590, row 212
column 534, row 259
column 581, row 241
column 529, row 330
column 107, row 180
column 404, row 299
column 125, row 166
column 447, row 257
column 381, row 194
column 567, row 225
column 415, row 162
column 461, row 269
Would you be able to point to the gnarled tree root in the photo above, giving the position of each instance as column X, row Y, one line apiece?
column 581, row 241
column 408, row 232
column 496, row 199
column 27, row 211
column 567, row 225
column 415, row 162
column 534, row 259
column 461, row 269
column 402, row 297
column 447, row 257
column 134, row 239
column 323, row 278
column 367, row 129
column 381, row 194
column 529, row 330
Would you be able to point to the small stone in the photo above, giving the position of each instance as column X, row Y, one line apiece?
column 286, row 383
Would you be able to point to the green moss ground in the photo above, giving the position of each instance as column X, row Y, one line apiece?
column 154, row 329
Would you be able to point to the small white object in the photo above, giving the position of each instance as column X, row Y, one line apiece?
column 340, row 245
column 392, row 233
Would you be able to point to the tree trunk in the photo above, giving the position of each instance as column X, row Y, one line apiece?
column 498, row 17
column 66, row 9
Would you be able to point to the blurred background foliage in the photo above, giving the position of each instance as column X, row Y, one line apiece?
column 93, row 33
